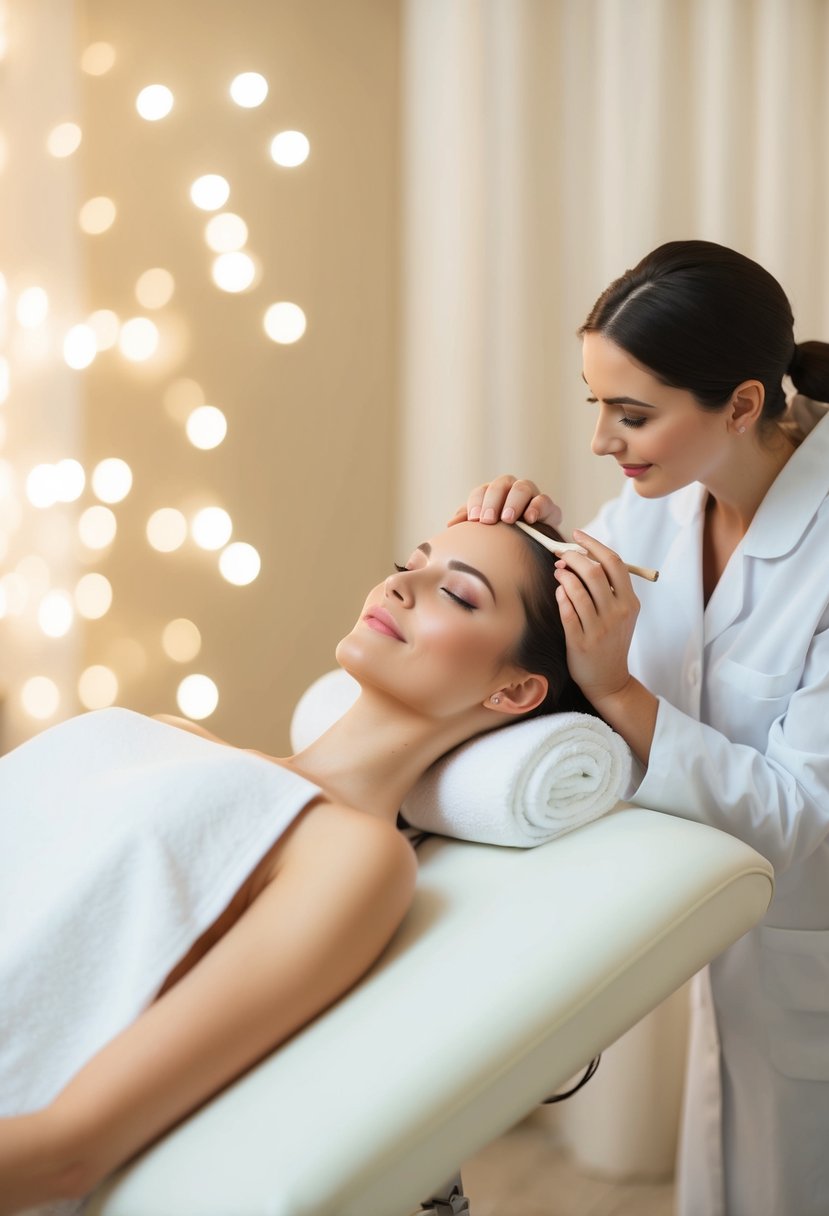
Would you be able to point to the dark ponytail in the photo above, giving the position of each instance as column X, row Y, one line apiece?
column 705, row 318
column 542, row 648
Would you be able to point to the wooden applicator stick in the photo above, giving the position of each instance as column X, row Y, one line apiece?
column 560, row 546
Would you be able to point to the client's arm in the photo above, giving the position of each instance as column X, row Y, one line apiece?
column 289, row 956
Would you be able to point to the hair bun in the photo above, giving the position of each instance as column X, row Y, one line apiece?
column 795, row 360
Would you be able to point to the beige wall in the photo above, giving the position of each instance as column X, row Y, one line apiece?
column 305, row 471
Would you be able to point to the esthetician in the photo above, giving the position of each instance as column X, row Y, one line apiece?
column 722, row 689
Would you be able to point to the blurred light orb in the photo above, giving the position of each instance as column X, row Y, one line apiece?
column 181, row 640
column 80, row 347
column 166, row 529
column 40, row 697
column 155, row 101
column 15, row 593
column 289, row 149
column 226, row 232
column 239, row 564
column 70, row 480
column 98, row 58
column 112, row 479
column 55, row 614
column 97, row 527
column 97, row 687
column 93, row 596
column 5, row 379
column 206, row 427
column 181, row 397
column 138, row 339
column 155, row 288
column 105, row 325
column 32, row 307
column 210, row 192
column 42, row 486
column 285, row 322
column 233, row 271
column 211, row 528
column 64, row 139
column 197, row 696
column 97, row 215
column 249, row 89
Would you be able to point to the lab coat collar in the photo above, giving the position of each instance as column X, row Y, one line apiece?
column 799, row 488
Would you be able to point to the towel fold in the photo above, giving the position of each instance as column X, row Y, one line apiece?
column 521, row 786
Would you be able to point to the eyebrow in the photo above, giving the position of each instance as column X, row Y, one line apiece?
column 622, row 400
column 463, row 568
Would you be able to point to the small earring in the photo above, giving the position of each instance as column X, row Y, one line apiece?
column 496, row 700
column 741, row 430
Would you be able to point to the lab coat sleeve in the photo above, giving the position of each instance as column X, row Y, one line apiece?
column 777, row 801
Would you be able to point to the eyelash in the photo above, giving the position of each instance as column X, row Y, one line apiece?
column 625, row 421
column 463, row 603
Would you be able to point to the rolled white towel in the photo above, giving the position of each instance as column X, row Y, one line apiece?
column 521, row 786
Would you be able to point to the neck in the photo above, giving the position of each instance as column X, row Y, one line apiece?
column 737, row 489
column 373, row 755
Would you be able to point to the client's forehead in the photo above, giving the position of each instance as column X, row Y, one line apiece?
column 497, row 550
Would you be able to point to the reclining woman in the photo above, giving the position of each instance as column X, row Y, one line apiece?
column 464, row 638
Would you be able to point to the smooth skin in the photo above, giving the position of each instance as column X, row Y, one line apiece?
column 280, row 954
column 643, row 424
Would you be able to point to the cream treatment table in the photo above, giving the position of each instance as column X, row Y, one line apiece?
column 512, row 970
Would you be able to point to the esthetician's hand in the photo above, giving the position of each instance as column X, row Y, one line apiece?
column 508, row 498
column 598, row 609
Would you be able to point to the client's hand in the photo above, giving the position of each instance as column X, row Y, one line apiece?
column 507, row 498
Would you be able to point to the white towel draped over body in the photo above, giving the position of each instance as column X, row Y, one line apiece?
column 122, row 839
column 522, row 785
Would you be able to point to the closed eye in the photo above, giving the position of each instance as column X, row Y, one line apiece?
column 625, row 420
column 458, row 599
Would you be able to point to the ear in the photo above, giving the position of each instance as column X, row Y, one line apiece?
column 746, row 406
column 519, row 697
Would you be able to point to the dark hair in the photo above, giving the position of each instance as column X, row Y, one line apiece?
column 705, row 318
column 542, row 648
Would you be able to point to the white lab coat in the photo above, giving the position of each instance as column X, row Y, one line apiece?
column 742, row 743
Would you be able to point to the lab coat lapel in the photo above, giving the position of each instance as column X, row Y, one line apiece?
column 726, row 599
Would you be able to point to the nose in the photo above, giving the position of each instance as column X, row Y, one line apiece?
column 606, row 439
column 398, row 586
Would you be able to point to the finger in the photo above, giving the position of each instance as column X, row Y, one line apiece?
column 543, row 509
column 521, row 493
column 459, row 517
column 608, row 559
column 580, row 597
column 493, row 500
column 592, row 577
column 475, row 500
column 570, row 621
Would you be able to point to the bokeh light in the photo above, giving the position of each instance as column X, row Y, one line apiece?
column 226, row 232
column 166, row 529
column 239, row 563
column 80, row 347
column 93, row 596
column 40, row 697
column 98, row 58
column 32, row 307
column 289, row 149
column 97, row 687
column 181, row 640
column 233, row 272
column 55, row 614
column 64, row 139
column 210, row 192
column 105, row 325
column 138, row 339
column 97, row 527
column 112, row 479
column 197, row 696
column 211, row 528
column 70, row 480
column 155, row 288
column 183, row 396
column 155, row 101
column 97, row 215
column 285, row 322
column 249, row 89
column 42, row 486
column 206, row 427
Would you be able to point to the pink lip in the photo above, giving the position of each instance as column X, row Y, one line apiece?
column 383, row 622
column 635, row 470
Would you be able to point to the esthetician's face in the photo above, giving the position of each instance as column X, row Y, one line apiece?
column 660, row 437
column 436, row 634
